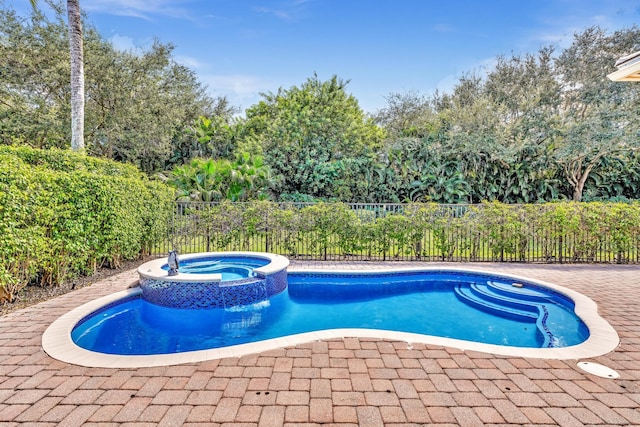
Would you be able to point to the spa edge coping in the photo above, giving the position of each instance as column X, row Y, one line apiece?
column 153, row 269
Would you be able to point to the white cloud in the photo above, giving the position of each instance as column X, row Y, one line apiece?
column 241, row 90
column 189, row 62
column 558, row 29
column 561, row 39
column 293, row 10
column 447, row 83
column 144, row 9
column 275, row 12
column 241, row 85
column 486, row 65
column 122, row 43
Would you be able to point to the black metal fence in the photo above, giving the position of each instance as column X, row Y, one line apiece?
column 549, row 233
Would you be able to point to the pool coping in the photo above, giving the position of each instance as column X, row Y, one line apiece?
column 603, row 338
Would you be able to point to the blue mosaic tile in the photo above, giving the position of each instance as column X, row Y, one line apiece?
column 202, row 295
column 276, row 282
column 247, row 293
column 549, row 337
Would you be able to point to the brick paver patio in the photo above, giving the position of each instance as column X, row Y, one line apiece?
column 343, row 382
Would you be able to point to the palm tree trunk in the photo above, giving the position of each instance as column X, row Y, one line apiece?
column 77, row 75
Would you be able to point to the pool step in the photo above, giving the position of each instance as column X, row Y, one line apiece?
column 524, row 292
column 482, row 298
column 470, row 295
column 510, row 300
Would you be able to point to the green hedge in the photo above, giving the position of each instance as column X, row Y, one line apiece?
column 63, row 214
column 551, row 232
column 65, row 161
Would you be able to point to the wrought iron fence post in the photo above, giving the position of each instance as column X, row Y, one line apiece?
column 266, row 232
column 560, row 248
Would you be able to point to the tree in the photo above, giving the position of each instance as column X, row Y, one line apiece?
column 137, row 107
column 421, row 170
column 407, row 114
column 535, row 127
column 308, row 135
column 77, row 73
column 525, row 92
column 601, row 119
column 473, row 134
column 214, row 136
column 140, row 104
column 34, row 81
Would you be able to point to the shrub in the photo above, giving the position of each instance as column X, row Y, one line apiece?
column 505, row 228
column 549, row 232
column 64, row 214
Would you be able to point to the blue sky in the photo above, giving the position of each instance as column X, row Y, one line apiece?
column 240, row 48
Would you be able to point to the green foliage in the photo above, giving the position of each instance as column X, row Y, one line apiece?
column 311, row 136
column 57, row 160
column 286, row 226
column 583, row 231
column 64, row 214
column 137, row 104
column 535, row 127
column 623, row 227
column 256, row 219
column 211, row 180
column 216, row 136
column 600, row 119
column 505, row 228
column 328, row 224
column 552, row 232
column 222, row 224
column 35, row 95
column 407, row 115
column 448, row 230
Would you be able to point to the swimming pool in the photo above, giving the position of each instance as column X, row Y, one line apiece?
column 470, row 307
column 490, row 314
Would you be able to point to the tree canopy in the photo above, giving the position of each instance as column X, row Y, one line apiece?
column 311, row 135
column 538, row 126
column 136, row 103
column 535, row 127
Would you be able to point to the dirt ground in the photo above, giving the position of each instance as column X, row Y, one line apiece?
column 35, row 294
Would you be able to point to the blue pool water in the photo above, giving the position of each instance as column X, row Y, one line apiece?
column 230, row 267
column 472, row 307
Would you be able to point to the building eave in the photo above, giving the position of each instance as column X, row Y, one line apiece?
column 628, row 70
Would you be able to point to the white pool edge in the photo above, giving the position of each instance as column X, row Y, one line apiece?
column 57, row 342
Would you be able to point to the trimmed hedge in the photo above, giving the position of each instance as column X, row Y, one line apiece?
column 63, row 214
column 552, row 232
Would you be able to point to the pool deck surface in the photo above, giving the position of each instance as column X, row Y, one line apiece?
column 342, row 382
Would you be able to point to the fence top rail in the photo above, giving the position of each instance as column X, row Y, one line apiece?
column 356, row 205
column 378, row 209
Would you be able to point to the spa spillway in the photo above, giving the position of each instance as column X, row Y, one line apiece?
column 214, row 279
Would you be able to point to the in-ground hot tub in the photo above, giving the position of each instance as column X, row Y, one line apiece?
column 214, row 279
